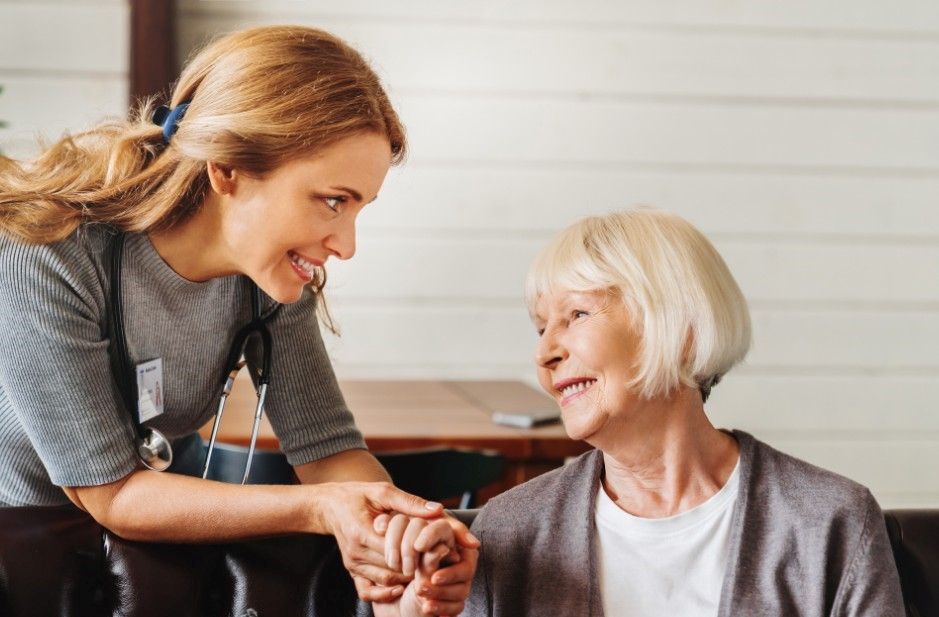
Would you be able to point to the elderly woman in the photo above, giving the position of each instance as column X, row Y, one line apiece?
column 638, row 318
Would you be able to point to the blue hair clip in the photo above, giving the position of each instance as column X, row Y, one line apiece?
column 169, row 118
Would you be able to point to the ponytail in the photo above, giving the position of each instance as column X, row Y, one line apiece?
column 119, row 173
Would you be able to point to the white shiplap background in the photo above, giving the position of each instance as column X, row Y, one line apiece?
column 802, row 137
column 63, row 66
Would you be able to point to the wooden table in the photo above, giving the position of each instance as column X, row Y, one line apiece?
column 404, row 415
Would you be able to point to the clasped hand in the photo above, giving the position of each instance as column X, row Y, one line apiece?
column 441, row 569
column 404, row 554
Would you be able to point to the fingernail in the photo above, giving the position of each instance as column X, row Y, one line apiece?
column 397, row 591
column 472, row 538
column 432, row 505
column 439, row 580
column 425, row 590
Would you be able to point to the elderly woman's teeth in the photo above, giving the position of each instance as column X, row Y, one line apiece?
column 578, row 387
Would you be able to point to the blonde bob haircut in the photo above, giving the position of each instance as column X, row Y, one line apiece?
column 686, row 307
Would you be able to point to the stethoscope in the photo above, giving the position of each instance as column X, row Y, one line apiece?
column 153, row 448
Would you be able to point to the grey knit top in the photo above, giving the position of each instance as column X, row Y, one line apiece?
column 62, row 419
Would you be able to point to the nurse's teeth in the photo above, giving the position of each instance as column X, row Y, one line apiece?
column 303, row 263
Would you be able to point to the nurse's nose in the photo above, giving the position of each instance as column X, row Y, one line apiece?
column 342, row 242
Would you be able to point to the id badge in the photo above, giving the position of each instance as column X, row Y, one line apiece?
column 150, row 389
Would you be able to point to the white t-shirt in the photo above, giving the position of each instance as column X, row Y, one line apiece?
column 665, row 566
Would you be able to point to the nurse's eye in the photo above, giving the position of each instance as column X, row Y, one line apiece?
column 334, row 202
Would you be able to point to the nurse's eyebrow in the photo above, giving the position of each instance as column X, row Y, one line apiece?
column 355, row 194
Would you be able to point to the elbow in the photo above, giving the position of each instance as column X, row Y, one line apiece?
column 108, row 505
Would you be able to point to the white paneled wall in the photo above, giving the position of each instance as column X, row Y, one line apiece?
column 803, row 137
column 63, row 67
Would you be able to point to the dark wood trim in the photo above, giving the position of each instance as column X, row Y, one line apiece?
column 152, row 47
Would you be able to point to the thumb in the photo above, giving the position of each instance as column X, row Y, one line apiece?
column 412, row 505
column 463, row 536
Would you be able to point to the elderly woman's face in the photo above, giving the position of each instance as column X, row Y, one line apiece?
column 585, row 356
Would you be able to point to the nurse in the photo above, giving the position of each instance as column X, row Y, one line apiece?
column 275, row 140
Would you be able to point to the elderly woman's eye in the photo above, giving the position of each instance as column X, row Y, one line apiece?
column 578, row 314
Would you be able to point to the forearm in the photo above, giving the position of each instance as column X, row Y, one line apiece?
column 162, row 507
column 350, row 465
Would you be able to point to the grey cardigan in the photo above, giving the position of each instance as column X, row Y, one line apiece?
column 805, row 542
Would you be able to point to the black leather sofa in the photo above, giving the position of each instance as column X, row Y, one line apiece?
column 58, row 561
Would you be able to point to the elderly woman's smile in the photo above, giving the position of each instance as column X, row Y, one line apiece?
column 573, row 388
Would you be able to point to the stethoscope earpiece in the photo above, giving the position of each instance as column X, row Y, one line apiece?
column 155, row 451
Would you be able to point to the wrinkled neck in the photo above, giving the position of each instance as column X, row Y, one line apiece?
column 668, row 458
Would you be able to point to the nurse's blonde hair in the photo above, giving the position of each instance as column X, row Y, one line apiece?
column 258, row 98
column 683, row 302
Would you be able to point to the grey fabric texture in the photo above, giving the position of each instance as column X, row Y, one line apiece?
column 62, row 421
column 805, row 542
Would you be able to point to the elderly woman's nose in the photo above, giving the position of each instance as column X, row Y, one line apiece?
column 549, row 350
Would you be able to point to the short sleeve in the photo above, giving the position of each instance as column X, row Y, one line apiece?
column 55, row 369
column 304, row 404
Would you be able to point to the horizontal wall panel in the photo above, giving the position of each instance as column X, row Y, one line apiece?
column 859, row 339
column 19, row 148
column 54, row 3
column 889, row 500
column 41, row 105
column 515, row 198
column 430, row 265
column 438, row 336
column 917, row 16
column 626, row 62
column 888, row 467
column 603, row 133
column 882, row 406
column 61, row 37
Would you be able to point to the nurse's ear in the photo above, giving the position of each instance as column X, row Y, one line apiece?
column 223, row 179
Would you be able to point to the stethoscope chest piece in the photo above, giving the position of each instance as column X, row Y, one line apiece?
column 155, row 451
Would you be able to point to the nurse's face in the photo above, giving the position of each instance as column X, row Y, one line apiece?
column 280, row 228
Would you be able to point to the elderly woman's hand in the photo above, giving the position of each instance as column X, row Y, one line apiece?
column 421, row 547
column 347, row 510
column 407, row 538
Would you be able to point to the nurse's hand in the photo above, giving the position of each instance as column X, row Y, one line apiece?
column 347, row 510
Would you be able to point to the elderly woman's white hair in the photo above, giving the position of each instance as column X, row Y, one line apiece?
column 685, row 305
